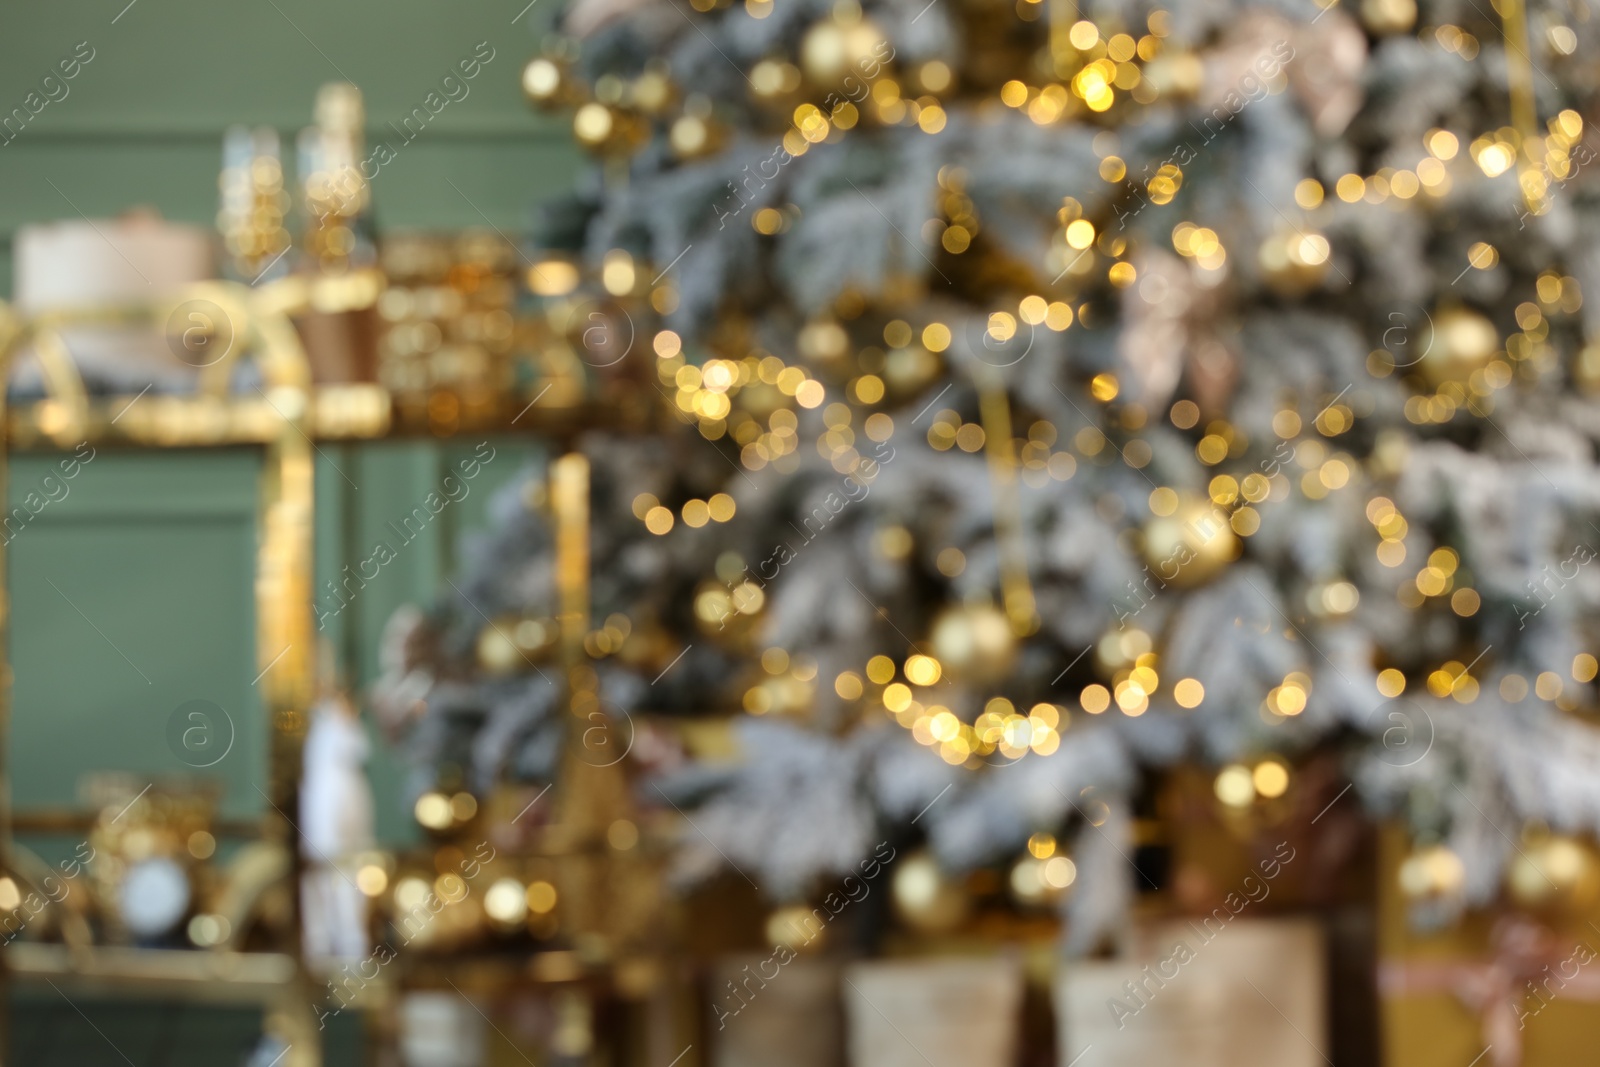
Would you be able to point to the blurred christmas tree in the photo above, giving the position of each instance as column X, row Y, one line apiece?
column 1068, row 390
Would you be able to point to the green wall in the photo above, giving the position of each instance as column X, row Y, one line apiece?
column 131, row 594
column 142, row 122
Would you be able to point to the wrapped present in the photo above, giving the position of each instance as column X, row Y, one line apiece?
column 1505, row 988
column 1200, row 992
column 776, row 1010
column 934, row 1012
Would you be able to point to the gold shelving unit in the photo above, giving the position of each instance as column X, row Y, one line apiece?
column 285, row 417
column 280, row 420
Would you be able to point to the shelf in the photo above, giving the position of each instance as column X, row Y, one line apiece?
column 337, row 413
column 198, row 976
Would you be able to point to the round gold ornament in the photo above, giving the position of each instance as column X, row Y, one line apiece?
column 1586, row 368
column 606, row 128
column 1294, row 262
column 1190, row 546
column 1457, row 342
column 654, row 90
column 927, row 899
column 843, row 50
column 497, row 650
column 974, row 642
column 1433, row 872
column 776, row 83
column 1176, row 76
column 909, row 370
column 693, row 137
column 1040, row 881
column 546, row 83
column 796, row 927
column 1385, row 17
column 1557, row 873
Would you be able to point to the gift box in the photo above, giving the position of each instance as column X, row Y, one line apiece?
column 775, row 1009
column 1204, row 992
column 1500, row 988
column 934, row 1012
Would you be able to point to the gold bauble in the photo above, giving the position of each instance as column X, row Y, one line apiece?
column 1557, row 874
column 775, row 82
column 927, row 899
column 1458, row 342
column 974, row 642
column 1294, row 262
column 545, row 83
column 907, row 371
column 1040, row 881
column 1432, row 873
column 693, row 137
column 1190, row 546
column 839, row 51
column 1385, row 17
column 1586, row 368
column 497, row 649
column 604, row 128
column 1177, row 75
column 797, row 927
column 823, row 341
column 654, row 90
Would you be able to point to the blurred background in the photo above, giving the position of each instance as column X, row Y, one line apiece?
column 631, row 533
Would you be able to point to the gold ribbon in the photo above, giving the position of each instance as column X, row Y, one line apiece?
column 994, row 406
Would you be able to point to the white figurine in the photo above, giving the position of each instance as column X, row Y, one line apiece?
column 336, row 825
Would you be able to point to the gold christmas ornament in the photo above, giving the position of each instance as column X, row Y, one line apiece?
column 605, row 128
column 1385, row 17
column 545, row 83
column 1190, row 546
column 927, row 899
column 1586, row 368
column 693, row 137
column 1294, row 262
column 842, row 49
column 908, row 371
column 796, row 927
column 1557, row 873
column 974, row 642
column 1431, row 873
column 1177, row 76
column 1040, row 881
column 654, row 91
column 1457, row 342
column 497, row 651
column 775, row 81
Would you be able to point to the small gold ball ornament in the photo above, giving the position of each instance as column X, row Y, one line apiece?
column 925, row 897
column 907, row 371
column 842, row 48
column 1586, row 368
column 1294, row 262
column 497, row 650
column 1433, row 872
column 606, row 128
column 1558, row 873
column 545, row 83
column 1457, row 342
column 1385, row 17
column 1176, row 76
column 1190, row 546
column 974, row 642
column 796, row 927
